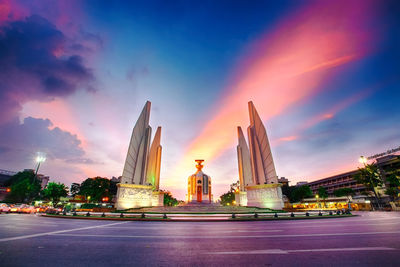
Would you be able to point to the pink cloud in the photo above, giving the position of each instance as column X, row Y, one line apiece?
column 284, row 67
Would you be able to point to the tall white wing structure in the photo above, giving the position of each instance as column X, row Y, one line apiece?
column 262, row 163
column 256, row 168
column 154, row 163
column 243, row 154
column 140, row 180
column 135, row 168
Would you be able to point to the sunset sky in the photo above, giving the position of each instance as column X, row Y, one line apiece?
column 74, row 76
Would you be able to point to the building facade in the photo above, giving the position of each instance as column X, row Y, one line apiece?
column 346, row 180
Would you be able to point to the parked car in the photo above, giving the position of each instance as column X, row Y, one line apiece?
column 4, row 208
column 15, row 208
column 28, row 209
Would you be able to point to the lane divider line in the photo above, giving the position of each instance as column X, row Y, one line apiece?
column 224, row 236
column 281, row 251
column 57, row 232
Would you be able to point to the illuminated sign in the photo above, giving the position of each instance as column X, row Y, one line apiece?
column 388, row 152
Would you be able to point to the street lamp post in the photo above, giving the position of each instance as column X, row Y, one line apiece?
column 39, row 159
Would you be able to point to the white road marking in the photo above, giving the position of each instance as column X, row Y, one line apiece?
column 336, row 220
column 249, row 231
column 281, row 251
column 57, row 232
column 225, row 236
column 225, row 230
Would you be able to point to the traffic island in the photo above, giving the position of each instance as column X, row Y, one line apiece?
column 190, row 217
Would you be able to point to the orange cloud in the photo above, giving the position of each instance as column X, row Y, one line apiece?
column 281, row 69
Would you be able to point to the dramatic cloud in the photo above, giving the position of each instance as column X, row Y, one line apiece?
column 23, row 140
column 286, row 66
column 35, row 66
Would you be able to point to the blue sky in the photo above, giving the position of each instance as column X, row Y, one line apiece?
column 324, row 76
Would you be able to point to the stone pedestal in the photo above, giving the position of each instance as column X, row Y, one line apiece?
column 241, row 198
column 134, row 196
column 265, row 196
column 158, row 199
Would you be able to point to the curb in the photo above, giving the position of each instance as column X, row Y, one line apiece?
column 197, row 220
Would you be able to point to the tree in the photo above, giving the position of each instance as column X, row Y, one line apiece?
column 234, row 186
column 113, row 188
column 393, row 183
column 169, row 200
column 344, row 192
column 227, row 198
column 95, row 188
column 322, row 192
column 24, row 187
column 392, row 192
column 75, row 187
column 370, row 177
column 300, row 192
column 54, row 191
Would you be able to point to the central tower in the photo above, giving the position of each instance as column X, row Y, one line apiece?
column 199, row 186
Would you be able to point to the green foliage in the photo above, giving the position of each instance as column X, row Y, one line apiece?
column 113, row 188
column 54, row 191
column 393, row 192
column 234, row 186
column 300, row 192
column 227, row 198
column 343, row 192
column 286, row 190
column 393, row 183
column 89, row 206
column 169, row 200
column 24, row 187
column 322, row 192
column 96, row 188
column 75, row 187
column 369, row 176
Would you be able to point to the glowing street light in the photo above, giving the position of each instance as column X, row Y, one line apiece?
column 39, row 159
column 362, row 160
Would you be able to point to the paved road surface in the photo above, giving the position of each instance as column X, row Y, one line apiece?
column 371, row 239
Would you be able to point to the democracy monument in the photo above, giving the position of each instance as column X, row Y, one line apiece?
column 199, row 186
column 140, row 180
column 139, row 186
column 258, row 181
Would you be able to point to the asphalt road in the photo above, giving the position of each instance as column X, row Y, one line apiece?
column 371, row 239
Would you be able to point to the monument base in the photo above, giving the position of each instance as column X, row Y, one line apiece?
column 134, row 196
column 265, row 196
column 158, row 199
column 241, row 198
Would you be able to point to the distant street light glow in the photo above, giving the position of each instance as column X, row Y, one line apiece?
column 362, row 160
column 40, row 159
